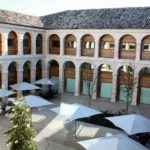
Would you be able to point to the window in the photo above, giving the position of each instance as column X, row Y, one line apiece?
column 55, row 43
column 92, row 45
column 87, row 45
column 146, row 47
column 26, row 43
column 123, row 46
column 10, row 42
column 132, row 46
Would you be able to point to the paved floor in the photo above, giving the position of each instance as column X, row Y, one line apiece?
column 105, row 105
column 52, row 134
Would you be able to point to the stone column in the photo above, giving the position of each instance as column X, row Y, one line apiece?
column 114, row 85
column 61, row 46
column 138, row 49
column 61, row 78
column 78, row 48
column 33, row 72
column 4, row 44
column 45, row 44
column 45, row 69
column 94, row 86
column 96, row 53
column 116, row 48
column 20, row 43
column 77, row 80
column 33, row 45
column 135, row 88
column 4, row 78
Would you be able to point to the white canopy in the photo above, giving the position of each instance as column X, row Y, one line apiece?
column 36, row 101
column 33, row 101
column 116, row 142
column 5, row 93
column 24, row 86
column 131, row 124
column 45, row 81
column 75, row 111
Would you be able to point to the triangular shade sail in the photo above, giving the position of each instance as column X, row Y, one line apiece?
column 131, row 124
column 116, row 142
column 33, row 101
column 24, row 86
column 45, row 81
column 75, row 111
column 5, row 93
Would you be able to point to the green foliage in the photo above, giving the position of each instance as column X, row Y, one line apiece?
column 21, row 133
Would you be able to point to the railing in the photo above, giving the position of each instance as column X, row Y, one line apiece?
column 124, row 54
column 145, row 55
column 70, row 51
column 54, row 50
column 87, row 52
column 106, row 53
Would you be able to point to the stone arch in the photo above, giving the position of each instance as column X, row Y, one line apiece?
column 12, row 73
column 145, row 48
column 54, row 44
column 144, row 86
column 106, row 46
column 125, row 83
column 27, row 71
column 27, row 43
column 104, row 87
column 39, row 44
column 39, row 70
column 127, row 47
column 86, row 78
column 12, row 43
column 70, row 45
column 69, row 76
column 87, row 45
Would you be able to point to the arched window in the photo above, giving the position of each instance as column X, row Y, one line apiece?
column 106, row 46
column 12, row 43
column 87, row 46
column 54, row 44
column 27, row 71
column 12, row 73
column 69, row 71
column 39, row 70
column 39, row 44
column 27, row 43
column 70, row 45
column 127, row 47
column 145, row 48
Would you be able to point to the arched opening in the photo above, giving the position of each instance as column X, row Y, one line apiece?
column 27, row 72
column 54, row 73
column 127, row 47
column 106, row 46
column 70, row 45
column 105, row 82
column 12, row 43
column 145, row 48
column 86, row 79
column 69, row 73
column 54, row 44
column 39, row 70
column 27, row 43
column 144, row 86
column 87, row 46
column 12, row 73
column 125, row 84
column 0, row 44
column 39, row 44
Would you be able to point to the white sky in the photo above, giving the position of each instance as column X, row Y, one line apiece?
column 43, row 7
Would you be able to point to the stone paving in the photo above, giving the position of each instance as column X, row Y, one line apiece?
column 63, row 138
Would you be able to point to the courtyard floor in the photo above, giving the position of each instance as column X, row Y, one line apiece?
column 53, row 135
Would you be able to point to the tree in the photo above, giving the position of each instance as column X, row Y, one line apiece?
column 21, row 134
column 127, row 78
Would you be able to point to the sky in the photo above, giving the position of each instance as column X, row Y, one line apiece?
column 44, row 7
